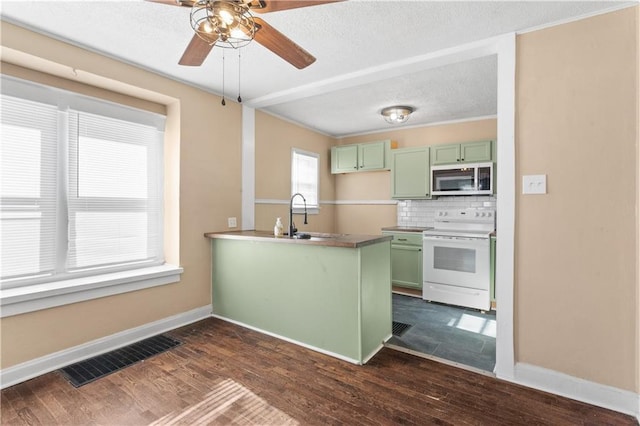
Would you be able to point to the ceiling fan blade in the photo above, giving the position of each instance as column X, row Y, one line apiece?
column 281, row 45
column 187, row 3
column 196, row 52
column 264, row 6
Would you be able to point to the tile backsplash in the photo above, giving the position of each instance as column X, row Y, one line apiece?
column 421, row 213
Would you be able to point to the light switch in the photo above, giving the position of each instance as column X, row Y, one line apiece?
column 534, row 184
column 232, row 222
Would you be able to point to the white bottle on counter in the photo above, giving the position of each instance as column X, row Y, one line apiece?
column 278, row 230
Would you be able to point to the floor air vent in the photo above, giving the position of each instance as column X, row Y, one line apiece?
column 399, row 328
column 91, row 369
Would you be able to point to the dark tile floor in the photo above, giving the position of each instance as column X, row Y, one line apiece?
column 462, row 335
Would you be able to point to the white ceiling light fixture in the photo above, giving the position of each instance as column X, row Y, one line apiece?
column 396, row 114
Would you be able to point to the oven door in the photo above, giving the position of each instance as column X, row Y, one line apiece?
column 457, row 261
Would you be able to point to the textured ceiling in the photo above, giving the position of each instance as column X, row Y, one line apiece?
column 361, row 47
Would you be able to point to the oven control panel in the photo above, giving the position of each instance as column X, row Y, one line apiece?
column 466, row 215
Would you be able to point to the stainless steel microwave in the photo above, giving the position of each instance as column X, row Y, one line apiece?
column 462, row 179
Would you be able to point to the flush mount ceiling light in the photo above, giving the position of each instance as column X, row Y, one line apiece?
column 396, row 114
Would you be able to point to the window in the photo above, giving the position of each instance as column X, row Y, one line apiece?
column 304, row 178
column 81, row 188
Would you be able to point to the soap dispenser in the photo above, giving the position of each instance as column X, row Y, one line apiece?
column 278, row 230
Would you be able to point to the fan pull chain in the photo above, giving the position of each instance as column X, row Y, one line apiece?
column 223, row 101
column 239, row 98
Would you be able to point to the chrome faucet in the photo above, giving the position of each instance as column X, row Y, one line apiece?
column 292, row 227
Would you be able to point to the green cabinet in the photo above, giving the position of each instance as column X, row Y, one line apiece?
column 344, row 159
column 336, row 300
column 410, row 173
column 406, row 259
column 361, row 157
column 468, row 152
column 372, row 156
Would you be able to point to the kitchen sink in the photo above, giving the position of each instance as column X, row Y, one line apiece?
column 319, row 236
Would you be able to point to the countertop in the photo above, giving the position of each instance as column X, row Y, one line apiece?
column 406, row 228
column 317, row 239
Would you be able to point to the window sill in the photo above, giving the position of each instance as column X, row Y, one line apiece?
column 31, row 298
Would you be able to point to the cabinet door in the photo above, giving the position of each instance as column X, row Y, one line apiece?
column 445, row 154
column 344, row 159
column 410, row 173
column 371, row 156
column 475, row 152
column 406, row 266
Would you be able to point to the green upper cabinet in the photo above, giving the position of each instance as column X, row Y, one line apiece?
column 361, row 157
column 344, row 159
column 410, row 173
column 445, row 154
column 372, row 156
column 468, row 152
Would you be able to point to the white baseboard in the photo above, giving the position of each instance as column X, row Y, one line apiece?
column 551, row 381
column 287, row 339
column 30, row 369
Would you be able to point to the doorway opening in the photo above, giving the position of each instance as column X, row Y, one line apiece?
column 462, row 336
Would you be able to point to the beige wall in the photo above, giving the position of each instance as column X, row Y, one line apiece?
column 355, row 189
column 576, row 303
column 208, row 143
column 274, row 140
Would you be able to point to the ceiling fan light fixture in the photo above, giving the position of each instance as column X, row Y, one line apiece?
column 396, row 114
column 223, row 23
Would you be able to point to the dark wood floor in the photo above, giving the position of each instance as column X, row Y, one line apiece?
column 225, row 374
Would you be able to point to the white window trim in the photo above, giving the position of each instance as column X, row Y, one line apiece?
column 20, row 300
column 39, row 295
column 310, row 209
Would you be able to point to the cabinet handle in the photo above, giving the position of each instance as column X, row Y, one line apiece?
column 402, row 239
column 406, row 248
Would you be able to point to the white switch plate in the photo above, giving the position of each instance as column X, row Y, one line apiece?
column 534, row 184
column 232, row 222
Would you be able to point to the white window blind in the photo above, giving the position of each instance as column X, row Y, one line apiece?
column 304, row 177
column 115, row 208
column 28, row 182
column 81, row 189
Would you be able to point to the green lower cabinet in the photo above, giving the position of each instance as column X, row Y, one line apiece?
column 492, row 275
column 331, row 299
column 406, row 259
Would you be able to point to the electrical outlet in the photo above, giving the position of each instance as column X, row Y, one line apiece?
column 232, row 222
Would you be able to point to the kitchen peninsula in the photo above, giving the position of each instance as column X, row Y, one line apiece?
column 330, row 293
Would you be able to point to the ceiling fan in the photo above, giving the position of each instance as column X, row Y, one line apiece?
column 229, row 23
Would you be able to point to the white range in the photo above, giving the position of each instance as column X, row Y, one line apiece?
column 457, row 258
